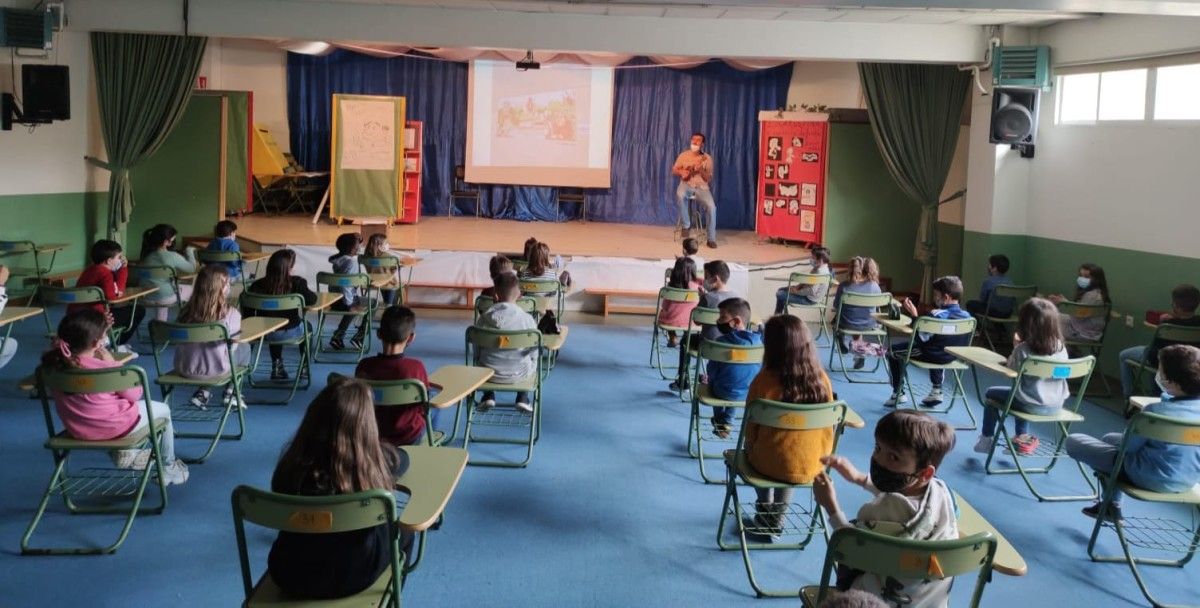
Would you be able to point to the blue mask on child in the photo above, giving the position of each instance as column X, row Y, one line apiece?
column 1083, row 282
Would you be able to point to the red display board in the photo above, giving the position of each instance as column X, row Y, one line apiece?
column 791, row 178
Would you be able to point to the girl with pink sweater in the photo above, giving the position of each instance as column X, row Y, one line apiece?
column 105, row 416
column 678, row 314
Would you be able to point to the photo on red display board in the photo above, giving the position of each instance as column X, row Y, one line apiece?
column 791, row 187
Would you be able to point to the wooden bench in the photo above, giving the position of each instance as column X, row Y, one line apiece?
column 469, row 292
column 607, row 295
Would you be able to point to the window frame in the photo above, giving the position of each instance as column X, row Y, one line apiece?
column 1151, row 92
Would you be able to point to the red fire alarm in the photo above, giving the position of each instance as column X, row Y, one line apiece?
column 202, row 82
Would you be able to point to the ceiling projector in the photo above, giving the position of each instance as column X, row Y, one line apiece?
column 528, row 63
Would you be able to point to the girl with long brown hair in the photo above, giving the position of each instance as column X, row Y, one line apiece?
column 864, row 279
column 210, row 304
column 792, row 373
column 336, row 450
column 1038, row 335
column 1091, row 287
column 277, row 281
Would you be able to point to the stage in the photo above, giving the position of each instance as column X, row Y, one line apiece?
column 599, row 256
column 567, row 239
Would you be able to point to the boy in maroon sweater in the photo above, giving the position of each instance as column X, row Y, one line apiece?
column 403, row 425
column 110, row 272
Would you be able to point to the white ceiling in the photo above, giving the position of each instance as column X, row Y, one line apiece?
column 761, row 10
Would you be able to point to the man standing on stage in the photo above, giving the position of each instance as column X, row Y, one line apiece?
column 695, row 170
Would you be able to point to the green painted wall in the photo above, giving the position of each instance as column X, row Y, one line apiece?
column 180, row 184
column 75, row 218
column 1137, row 280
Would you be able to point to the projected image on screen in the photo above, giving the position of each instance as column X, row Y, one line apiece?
column 550, row 127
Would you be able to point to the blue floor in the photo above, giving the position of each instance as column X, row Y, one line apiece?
column 610, row 512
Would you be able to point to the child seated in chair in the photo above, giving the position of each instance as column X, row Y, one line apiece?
column 110, row 272
column 731, row 381
column 1149, row 464
column 997, row 274
column 398, row 425
column 908, row 501
column 497, row 265
column 806, row 295
column 863, row 275
column 674, row 313
column 345, row 261
column 713, row 291
column 225, row 239
column 1091, row 288
column 511, row 366
column 1184, row 301
column 929, row 348
column 691, row 249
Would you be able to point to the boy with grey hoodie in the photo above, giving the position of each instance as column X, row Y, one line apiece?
column 511, row 366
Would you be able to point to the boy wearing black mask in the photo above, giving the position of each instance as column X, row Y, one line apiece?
column 731, row 381
column 908, row 501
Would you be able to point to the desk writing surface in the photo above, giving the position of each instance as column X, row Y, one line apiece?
column 982, row 357
column 553, row 342
column 853, row 420
column 1008, row 560
column 50, row 247
column 1142, row 403
column 903, row 325
column 254, row 256
column 430, row 480
column 456, row 382
column 254, row 328
column 12, row 314
column 132, row 294
column 325, row 299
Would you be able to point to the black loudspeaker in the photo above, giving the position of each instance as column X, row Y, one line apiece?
column 1014, row 116
column 46, row 92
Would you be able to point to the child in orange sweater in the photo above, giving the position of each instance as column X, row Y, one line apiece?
column 792, row 373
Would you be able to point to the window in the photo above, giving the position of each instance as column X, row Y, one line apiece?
column 1077, row 102
column 1177, row 93
column 1123, row 95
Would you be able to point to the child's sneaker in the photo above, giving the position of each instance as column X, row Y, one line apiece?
column 1025, row 443
column 485, row 405
column 721, row 430
column 336, row 343
column 229, row 396
column 860, row 362
column 175, row 473
column 934, row 398
column 983, row 445
column 278, row 372
column 524, row 407
column 200, row 398
column 895, row 400
column 1113, row 515
column 678, row 386
column 672, row 342
column 356, row 343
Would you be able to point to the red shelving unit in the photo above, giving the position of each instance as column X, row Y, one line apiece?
column 410, row 208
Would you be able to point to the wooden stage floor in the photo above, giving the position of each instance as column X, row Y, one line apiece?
column 482, row 234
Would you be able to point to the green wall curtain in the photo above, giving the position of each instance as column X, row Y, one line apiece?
column 143, row 84
column 915, row 111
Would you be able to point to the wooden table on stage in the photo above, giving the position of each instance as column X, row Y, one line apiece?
column 456, row 382
column 430, row 480
column 254, row 328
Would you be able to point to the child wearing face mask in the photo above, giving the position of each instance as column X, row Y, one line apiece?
column 110, row 272
column 731, row 381
column 712, row 293
column 1091, row 287
column 1149, row 464
column 908, row 501
column 377, row 247
column 806, row 295
column 930, row 348
column 199, row 361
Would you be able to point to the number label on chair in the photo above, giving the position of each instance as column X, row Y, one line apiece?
column 739, row 355
column 67, row 297
column 792, row 419
column 178, row 334
column 311, row 521
column 692, row 297
column 949, row 329
column 7, row 246
column 377, row 394
column 82, row 384
column 922, row 561
column 1191, row 436
column 503, row 341
column 1061, row 371
column 344, row 282
column 269, row 305
column 1083, row 313
column 143, row 274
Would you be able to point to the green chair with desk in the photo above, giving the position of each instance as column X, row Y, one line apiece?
column 35, row 274
column 1091, row 347
column 1157, row 534
column 360, row 284
column 69, row 296
column 164, row 335
column 208, row 256
column 502, row 417
column 904, row 559
column 700, row 428
column 1061, row 420
column 483, row 303
column 876, row 302
column 801, row 520
column 158, row 275
column 1165, row 333
column 954, row 369
column 1017, row 294
column 106, row 490
column 657, row 348
column 385, row 265
column 688, row 353
column 821, row 309
column 319, row 515
column 548, row 293
column 404, row 393
column 257, row 304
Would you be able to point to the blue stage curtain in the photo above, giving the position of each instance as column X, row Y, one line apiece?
column 656, row 110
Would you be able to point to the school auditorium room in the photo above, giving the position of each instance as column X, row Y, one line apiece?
column 831, row 303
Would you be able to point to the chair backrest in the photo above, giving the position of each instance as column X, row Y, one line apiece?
column 1181, row 334
column 163, row 333
column 208, row 256
column 866, row 300
column 1164, row 428
column 1085, row 311
column 1057, row 369
column 153, row 273
column 944, row 327
column 90, row 294
column 87, row 381
column 888, row 556
column 397, row 392
column 260, row 302
column 806, row 278
column 383, row 264
column 504, row 339
column 731, row 353
column 482, row 303
column 796, row 416
column 17, row 247
column 705, row 316
column 315, row 515
column 1020, row 293
column 677, row 294
column 333, row 280
column 540, row 286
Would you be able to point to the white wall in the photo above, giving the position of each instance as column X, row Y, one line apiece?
column 50, row 158
column 831, row 83
column 1115, row 37
column 252, row 65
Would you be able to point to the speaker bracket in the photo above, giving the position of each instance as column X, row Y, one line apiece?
column 10, row 114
